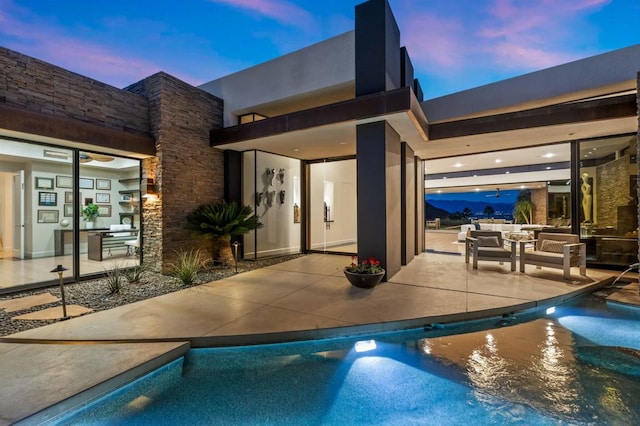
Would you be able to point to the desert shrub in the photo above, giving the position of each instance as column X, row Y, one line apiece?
column 115, row 278
column 136, row 273
column 187, row 265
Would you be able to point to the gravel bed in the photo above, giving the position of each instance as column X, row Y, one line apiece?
column 95, row 294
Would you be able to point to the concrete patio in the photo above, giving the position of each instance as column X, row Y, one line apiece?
column 47, row 370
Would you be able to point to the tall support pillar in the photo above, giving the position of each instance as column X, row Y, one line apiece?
column 408, row 203
column 379, row 204
column 419, row 195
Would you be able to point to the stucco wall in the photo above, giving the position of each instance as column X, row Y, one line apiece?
column 187, row 171
column 314, row 68
column 38, row 86
column 578, row 79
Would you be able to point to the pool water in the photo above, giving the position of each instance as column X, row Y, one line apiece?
column 579, row 365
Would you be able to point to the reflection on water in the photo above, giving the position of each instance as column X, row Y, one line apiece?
column 548, row 371
column 534, row 364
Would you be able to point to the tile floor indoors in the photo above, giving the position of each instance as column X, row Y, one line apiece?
column 303, row 298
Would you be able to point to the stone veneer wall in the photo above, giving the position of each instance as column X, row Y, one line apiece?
column 540, row 199
column 612, row 187
column 187, row 171
column 38, row 86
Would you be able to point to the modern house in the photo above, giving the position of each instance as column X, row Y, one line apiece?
column 328, row 144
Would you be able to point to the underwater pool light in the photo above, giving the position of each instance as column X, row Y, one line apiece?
column 365, row 345
column 550, row 310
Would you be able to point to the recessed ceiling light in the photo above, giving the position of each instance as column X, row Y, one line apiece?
column 343, row 143
column 475, row 175
column 444, row 177
column 295, row 150
column 457, row 165
column 498, row 160
column 439, row 191
column 522, row 187
column 549, row 155
column 477, row 189
column 507, row 172
column 548, row 168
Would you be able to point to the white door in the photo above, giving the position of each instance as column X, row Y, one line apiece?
column 18, row 215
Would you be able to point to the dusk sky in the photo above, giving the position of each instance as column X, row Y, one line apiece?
column 454, row 44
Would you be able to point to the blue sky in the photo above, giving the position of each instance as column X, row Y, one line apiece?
column 454, row 44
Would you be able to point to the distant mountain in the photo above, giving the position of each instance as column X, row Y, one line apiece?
column 477, row 207
column 431, row 212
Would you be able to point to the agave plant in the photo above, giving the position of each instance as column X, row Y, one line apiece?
column 219, row 221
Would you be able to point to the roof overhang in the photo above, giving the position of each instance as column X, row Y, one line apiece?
column 24, row 124
column 550, row 124
column 329, row 130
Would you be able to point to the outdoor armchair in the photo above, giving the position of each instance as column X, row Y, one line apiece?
column 489, row 245
column 554, row 250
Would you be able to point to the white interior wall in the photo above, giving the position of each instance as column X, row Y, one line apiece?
column 343, row 230
column 6, row 219
column 279, row 234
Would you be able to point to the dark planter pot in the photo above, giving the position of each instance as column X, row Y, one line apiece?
column 364, row 280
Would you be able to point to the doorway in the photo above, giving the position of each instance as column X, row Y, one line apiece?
column 332, row 213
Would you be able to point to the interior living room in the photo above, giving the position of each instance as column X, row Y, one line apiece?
column 522, row 192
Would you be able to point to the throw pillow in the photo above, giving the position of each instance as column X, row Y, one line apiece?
column 488, row 242
column 552, row 246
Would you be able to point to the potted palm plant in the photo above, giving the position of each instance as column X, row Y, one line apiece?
column 219, row 221
column 89, row 214
column 365, row 274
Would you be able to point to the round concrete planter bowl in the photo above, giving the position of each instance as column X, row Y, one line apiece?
column 364, row 280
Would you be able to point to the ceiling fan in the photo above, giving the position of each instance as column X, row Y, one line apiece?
column 86, row 157
column 497, row 194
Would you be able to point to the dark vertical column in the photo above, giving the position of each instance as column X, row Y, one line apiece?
column 305, row 203
column 377, row 48
column 406, row 69
column 576, row 206
column 419, row 207
column 638, row 156
column 233, row 176
column 407, row 203
column 379, row 212
column 76, row 216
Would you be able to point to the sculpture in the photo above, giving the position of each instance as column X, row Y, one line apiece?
column 586, row 197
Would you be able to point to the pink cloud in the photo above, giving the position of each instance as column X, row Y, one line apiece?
column 279, row 10
column 434, row 41
column 526, row 35
column 50, row 44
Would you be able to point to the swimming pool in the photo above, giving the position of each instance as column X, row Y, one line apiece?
column 579, row 365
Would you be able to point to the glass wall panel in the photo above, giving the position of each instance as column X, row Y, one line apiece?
column 333, row 215
column 109, row 202
column 608, row 200
column 271, row 185
column 35, row 232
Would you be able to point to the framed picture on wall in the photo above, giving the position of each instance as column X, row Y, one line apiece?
column 104, row 211
column 48, row 216
column 103, row 198
column 64, row 182
column 86, row 183
column 103, row 184
column 44, row 183
column 126, row 219
column 68, row 210
column 47, row 198
column 68, row 197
